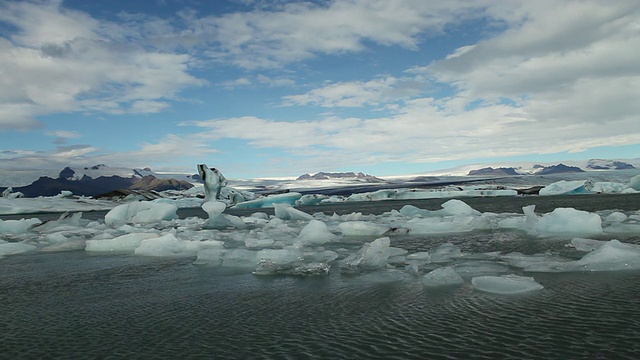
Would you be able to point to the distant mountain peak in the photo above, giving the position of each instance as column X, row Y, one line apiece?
column 602, row 164
column 339, row 175
column 558, row 169
column 489, row 171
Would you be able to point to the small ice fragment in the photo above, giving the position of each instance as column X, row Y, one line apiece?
column 124, row 243
column 288, row 212
column 11, row 248
column 315, row 233
column 445, row 276
column 505, row 284
column 214, row 208
column 140, row 212
column 362, row 228
column 586, row 244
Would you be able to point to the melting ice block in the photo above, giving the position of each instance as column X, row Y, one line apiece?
column 372, row 255
column 17, row 226
column 569, row 220
column 7, row 248
column 564, row 187
column 213, row 208
column 124, row 243
column 445, row 276
column 288, row 212
column 165, row 246
column 141, row 212
column 505, row 284
column 315, row 233
column 362, row 228
column 611, row 256
column 269, row 201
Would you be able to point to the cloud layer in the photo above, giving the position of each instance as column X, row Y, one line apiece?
column 546, row 76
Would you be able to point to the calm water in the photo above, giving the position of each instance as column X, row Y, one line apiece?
column 73, row 305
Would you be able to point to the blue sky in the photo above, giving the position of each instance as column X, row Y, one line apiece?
column 280, row 88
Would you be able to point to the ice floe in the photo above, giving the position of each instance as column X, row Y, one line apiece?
column 411, row 244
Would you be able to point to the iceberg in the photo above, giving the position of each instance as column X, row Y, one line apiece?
column 124, row 243
column 213, row 182
column 269, row 201
column 288, row 212
column 445, row 276
column 141, row 212
column 564, row 187
column 315, row 233
column 372, row 255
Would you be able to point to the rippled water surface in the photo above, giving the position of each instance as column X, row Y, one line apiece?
column 74, row 305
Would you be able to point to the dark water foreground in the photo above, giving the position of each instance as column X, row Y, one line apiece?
column 76, row 306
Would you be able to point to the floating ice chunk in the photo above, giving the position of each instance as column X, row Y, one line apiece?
column 311, row 199
column 258, row 243
column 419, row 256
column 12, row 248
column 441, row 225
column 269, row 201
column 372, row 255
column 17, row 226
column 124, row 243
column 140, row 212
column 411, row 211
column 564, row 187
column 616, row 217
column 623, row 229
column 325, row 256
column 288, row 212
column 280, row 256
column 445, row 276
column 586, row 244
column 529, row 262
column 444, row 253
column 602, row 187
column 64, row 194
column 458, row 207
column 213, row 208
column 266, row 267
column 211, row 257
column 362, row 228
column 505, row 284
column 569, row 220
column 240, row 258
column 479, row 268
column 165, row 246
column 634, row 183
column 315, row 233
column 224, row 221
column 611, row 256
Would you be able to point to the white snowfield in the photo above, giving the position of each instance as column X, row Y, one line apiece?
column 296, row 243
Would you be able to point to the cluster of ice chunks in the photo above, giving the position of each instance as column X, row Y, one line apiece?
column 296, row 243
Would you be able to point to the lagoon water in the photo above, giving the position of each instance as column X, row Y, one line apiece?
column 75, row 305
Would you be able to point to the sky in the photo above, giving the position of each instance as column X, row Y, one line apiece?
column 262, row 88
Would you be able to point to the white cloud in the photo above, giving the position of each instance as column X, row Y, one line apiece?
column 359, row 93
column 67, row 134
column 169, row 152
column 292, row 32
column 60, row 60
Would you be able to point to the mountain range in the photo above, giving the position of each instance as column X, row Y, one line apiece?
column 80, row 183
